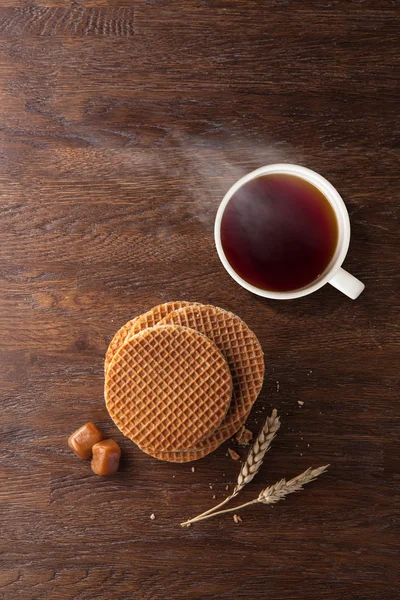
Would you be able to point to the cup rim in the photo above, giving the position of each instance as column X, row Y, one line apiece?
column 331, row 194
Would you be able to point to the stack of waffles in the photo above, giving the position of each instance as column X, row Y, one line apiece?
column 182, row 378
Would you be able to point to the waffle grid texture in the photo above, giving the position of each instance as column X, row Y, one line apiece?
column 236, row 342
column 200, row 450
column 117, row 342
column 148, row 319
column 153, row 316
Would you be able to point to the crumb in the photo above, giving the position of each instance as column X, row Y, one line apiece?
column 296, row 446
column 214, row 496
column 308, row 445
column 210, row 486
column 234, row 455
column 300, row 403
column 193, row 469
column 301, row 454
column 239, row 434
column 244, row 436
column 173, row 476
column 301, row 438
column 152, row 516
column 277, row 386
column 237, row 518
column 227, row 487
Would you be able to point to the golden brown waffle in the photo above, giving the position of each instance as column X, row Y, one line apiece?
column 239, row 346
column 153, row 316
column 208, row 445
column 168, row 388
column 117, row 341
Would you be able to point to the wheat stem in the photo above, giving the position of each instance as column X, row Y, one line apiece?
column 210, row 510
column 220, row 512
column 272, row 494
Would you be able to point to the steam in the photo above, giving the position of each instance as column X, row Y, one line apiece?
column 206, row 171
column 184, row 178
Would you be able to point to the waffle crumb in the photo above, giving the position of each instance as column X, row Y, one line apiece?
column 300, row 403
column 244, row 436
column 237, row 518
column 234, row 455
column 193, row 469
column 227, row 487
column 210, row 486
column 214, row 496
column 152, row 516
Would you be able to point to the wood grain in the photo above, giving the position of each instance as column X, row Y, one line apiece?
column 121, row 127
column 75, row 21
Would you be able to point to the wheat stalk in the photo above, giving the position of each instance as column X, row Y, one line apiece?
column 252, row 464
column 257, row 452
column 278, row 491
column 274, row 493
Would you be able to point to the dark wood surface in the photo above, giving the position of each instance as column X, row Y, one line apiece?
column 121, row 129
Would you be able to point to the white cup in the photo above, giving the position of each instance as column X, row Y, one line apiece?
column 333, row 274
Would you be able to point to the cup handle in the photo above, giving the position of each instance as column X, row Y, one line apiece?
column 347, row 283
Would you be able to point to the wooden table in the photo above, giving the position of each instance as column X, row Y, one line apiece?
column 121, row 129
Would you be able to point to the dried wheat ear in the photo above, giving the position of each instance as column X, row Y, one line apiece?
column 250, row 468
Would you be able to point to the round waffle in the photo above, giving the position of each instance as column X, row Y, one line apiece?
column 168, row 388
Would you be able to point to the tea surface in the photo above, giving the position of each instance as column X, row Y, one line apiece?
column 279, row 232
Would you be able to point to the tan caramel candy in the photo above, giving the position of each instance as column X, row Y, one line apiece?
column 83, row 439
column 106, row 455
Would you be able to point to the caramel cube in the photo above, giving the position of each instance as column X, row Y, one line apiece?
column 83, row 439
column 106, row 455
